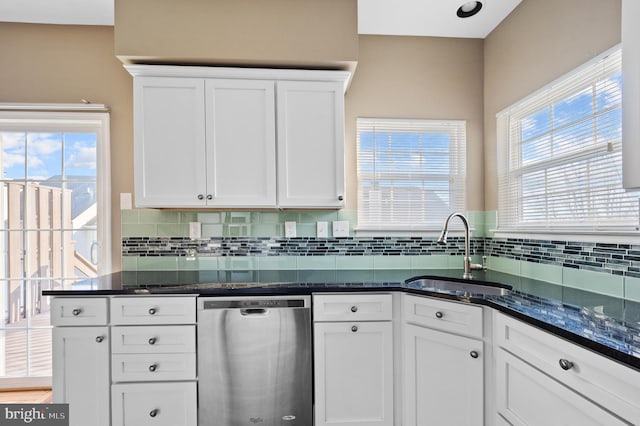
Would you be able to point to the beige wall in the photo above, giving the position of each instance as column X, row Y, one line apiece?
column 539, row 41
column 302, row 33
column 419, row 77
column 64, row 64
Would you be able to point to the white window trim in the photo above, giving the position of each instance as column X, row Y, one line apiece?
column 583, row 233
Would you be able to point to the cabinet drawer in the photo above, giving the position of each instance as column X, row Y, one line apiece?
column 153, row 310
column 352, row 307
column 153, row 339
column 79, row 311
column 153, row 367
column 154, row 404
column 613, row 385
column 442, row 315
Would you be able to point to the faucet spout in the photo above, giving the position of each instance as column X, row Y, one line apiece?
column 468, row 266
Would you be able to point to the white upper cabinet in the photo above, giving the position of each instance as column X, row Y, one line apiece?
column 310, row 144
column 630, row 94
column 169, row 142
column 223, row 137
column 241, row 143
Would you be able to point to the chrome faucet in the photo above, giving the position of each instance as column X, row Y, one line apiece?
column 468, row 266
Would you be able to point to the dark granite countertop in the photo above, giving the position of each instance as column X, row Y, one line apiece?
column 607, row 325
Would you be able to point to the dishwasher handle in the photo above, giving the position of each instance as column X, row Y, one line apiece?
column 253, row 312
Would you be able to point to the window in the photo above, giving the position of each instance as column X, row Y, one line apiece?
column 561, row 155
column 411, row 173
column 54, row 216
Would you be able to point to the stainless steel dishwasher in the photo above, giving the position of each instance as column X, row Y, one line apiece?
column 255, row 361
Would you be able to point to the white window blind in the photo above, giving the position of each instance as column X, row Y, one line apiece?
column 411, row 173
column 560, row 163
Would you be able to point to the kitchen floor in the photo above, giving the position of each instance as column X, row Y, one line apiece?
column 36, row 396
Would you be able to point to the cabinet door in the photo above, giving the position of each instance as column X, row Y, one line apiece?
column 241, row 143
column 630, row 94
column 525, row 396
column 310, row 144
column 169, row 142
column 155, row 404
column 80, row 362
column 444, row 378
column 353, row 374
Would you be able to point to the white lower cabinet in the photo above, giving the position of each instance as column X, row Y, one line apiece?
column 80, row 362
column 525, row 396
column 154, row 404
column 444, row 378
column 353, row 368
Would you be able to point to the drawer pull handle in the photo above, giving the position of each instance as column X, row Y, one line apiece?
column 76, row 312
column 152, row 341
column 439, row 315
column 152, row 311
column 565, row 364
column 474, row 354
column 153, row 367
column 153, row 412
column 209, row 197
column 354, row 328
column 200, row 197
column 100, row 339
column 354, row 309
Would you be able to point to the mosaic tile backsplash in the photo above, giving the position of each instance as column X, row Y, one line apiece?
column 252, row 240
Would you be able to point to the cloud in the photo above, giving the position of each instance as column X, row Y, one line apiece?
column 44, row 144
column 83, row 157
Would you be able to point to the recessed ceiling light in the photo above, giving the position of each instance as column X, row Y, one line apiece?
column 469, row 9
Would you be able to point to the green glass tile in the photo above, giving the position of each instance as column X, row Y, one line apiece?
column 157, row 263
column 490, row 222
column 128, row 216
column 541, row 271
column 265, row 230
column 430, row 262
column 202, row 263
column 306, row 230
column 173, row 230
column 503, row 264
column 158, row 216
column 270, row 217
column 207, row 218
column 316, row 262
column 355, row 276
column 240, row 263
column 235, row 230
column 354, row 262
column 129, row 263
column 139, row 230
column 211, row 230
column 277, row 262
column 455, row 262
column 237, row 218
column 476, row 222
column 632, row 288
column 186, row 217
column 318, row 216
column 597, row 282
column 349, row 215
column 290, row 216
column 391, row 262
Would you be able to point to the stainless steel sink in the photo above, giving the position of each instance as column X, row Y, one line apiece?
column 464, row 287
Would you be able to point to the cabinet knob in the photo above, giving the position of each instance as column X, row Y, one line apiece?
column 200, row 197
column 152, row 341
column 354, row 328
column 100, row 339
column 153, row 412
column 474, row 354
column 439, row 315
column 152, row 311
column 76, row 312
column 354, row 309
column 209, row 197
column 340, row 197
column 565, row 364
column 153, row 367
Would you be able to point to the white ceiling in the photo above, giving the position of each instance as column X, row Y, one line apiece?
column 391, row 17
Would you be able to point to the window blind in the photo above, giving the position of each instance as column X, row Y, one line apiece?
column 561, row 154
column 411, row 173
